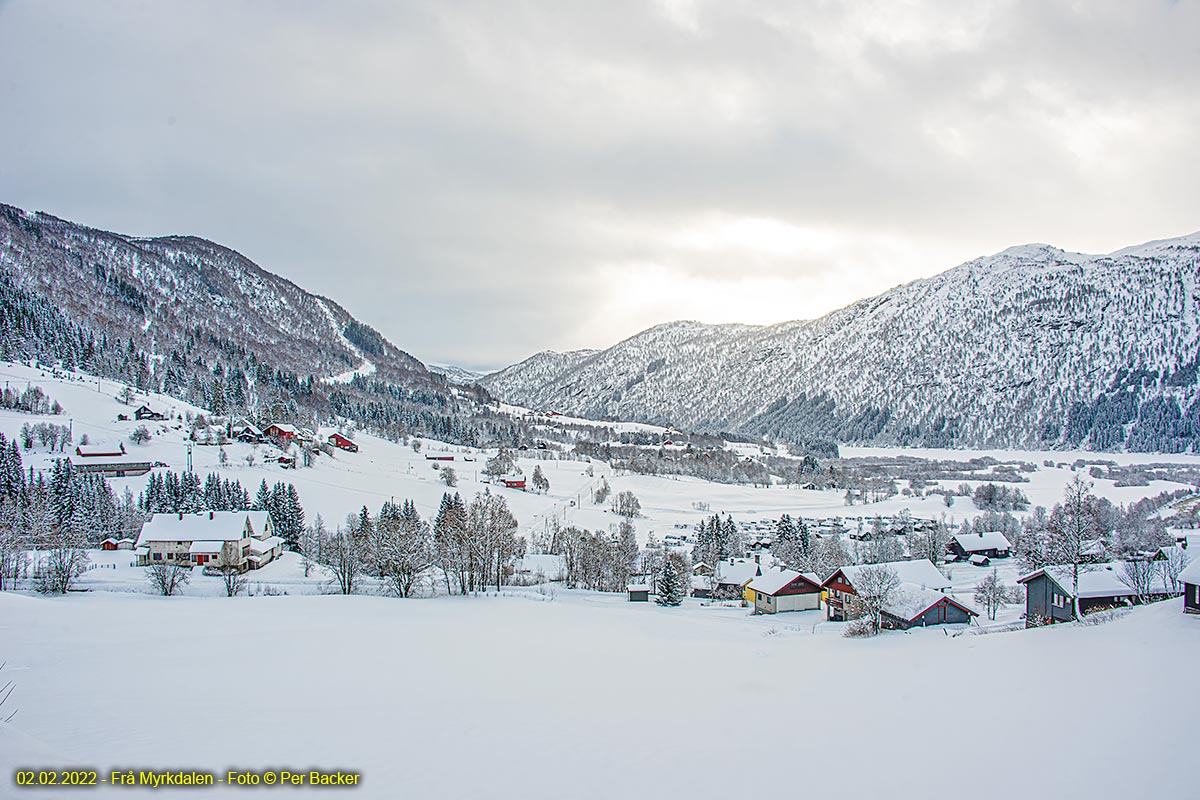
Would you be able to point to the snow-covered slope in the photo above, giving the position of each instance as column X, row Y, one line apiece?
column 185, row 297
column 456, row 374
column 1031, row 347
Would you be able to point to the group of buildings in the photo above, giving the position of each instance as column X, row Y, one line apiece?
column 922, row 596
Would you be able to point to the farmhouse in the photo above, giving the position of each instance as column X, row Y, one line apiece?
column 917, row 574
column 991, row 544
column 281, row 430
column 145, row 412
column 342, row 443
column 1049, row 598
column 199, row 539
column 780, row 590
column 1190, row 578
column 915, row 607
column 247, row 432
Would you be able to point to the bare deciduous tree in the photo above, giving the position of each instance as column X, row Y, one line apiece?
column 1141, row 575
column 345, row 556
column 875, row 586
column 626, row 504
column 63, row 559
column 991, row 594
column 1073, row 531
column 1175, row 563
column 168, row 578
column 229, row 564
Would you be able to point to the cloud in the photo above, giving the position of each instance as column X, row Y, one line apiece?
column 523, row 176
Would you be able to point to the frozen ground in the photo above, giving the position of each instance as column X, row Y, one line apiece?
column 579, row 695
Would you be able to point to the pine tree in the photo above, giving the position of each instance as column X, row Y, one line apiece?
column 674, row 580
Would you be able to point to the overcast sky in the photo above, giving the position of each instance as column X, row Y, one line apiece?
column 481, row 181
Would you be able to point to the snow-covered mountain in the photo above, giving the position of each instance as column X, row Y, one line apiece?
column 158, row 292
column 463, row 377
column 192, row 319
column 1033, row 346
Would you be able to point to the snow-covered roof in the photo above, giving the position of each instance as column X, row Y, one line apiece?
column 1191, row 574
column 920, row 572
column 124, row 459
column 739, row 570
column 265, row 545
column 638, row 587
column 247, row 427
column 284, row 427
column 209, row 526
column 979, row 560
column 988, row 540
column 109, row 540
column 206, row 547
column 773, row 579
column 911, row 601
column 142, row 551
column 93, row 450
column 1101, row 580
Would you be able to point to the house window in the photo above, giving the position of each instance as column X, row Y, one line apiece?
column 158, row 556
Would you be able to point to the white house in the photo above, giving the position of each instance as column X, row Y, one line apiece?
column 200, row 539
column 779, row 590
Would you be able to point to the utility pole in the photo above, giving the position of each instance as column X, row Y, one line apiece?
column 189, row 454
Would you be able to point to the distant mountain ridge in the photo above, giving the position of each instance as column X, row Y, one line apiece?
column 200, row 321
column 1031, row 347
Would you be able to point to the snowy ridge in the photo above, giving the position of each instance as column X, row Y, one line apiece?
column 364, row 369
column 1031, row 347
column 456, row 374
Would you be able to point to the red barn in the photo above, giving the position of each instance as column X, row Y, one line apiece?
column 514, row 483
column 342, row 443
column 109, row 544
column 439, row 458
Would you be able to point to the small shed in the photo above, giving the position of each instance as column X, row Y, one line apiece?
column 109, row 544
column 639, row 593
column 513, row 483
column 1049, row 598
column 1190, row 578
column 915, row 607
column 980, row 560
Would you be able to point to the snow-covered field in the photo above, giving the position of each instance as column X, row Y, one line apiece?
column 582, row 695
column 547, row 692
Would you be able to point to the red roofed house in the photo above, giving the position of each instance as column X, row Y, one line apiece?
column 513, row 483
column 785, row 590
column 280, row 430
column 342, row 443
